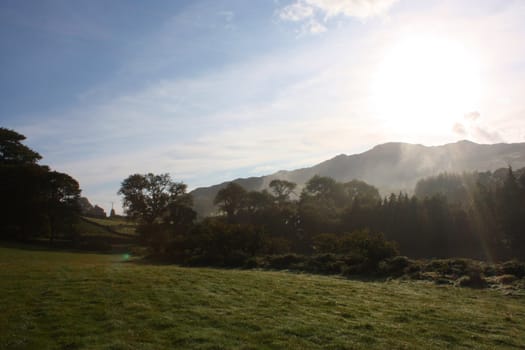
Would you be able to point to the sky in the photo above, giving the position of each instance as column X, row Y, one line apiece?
column 212, row 90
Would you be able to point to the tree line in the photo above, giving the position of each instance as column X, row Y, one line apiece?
column 475, row 215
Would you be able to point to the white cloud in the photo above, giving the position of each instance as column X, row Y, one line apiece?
column 296, row 12
column 474, row 128
column 459, row 129
column 315, row 27
column 313, row 12
column 352, row 8
column 472, row 115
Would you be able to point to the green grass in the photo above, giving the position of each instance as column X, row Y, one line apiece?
column 87, row 229
column 118, row 224
column 89, row 301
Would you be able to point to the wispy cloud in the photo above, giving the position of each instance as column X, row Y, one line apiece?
column 289, row 113
column 459, row 129
column 289, row 108
column 473, row 127
column 472, row 116
column 296, row 12
column 352, row 8
column 314, row 13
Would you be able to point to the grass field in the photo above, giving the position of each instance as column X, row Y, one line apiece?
column 90, row 301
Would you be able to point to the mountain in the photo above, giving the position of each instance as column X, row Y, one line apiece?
column 391, row 167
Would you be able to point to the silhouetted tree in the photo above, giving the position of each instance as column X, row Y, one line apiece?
column 162, row 207
column 231, row 199
column 63, row 193
column 147, row 197
column 34, row 201
column 13, row 152
column 360, row 192
column 451, row 186
column 511, row 211
column 282, row 189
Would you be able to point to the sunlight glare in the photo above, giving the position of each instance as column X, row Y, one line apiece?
column 425, row 82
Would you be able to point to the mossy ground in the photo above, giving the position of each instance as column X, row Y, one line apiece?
column 93, row 301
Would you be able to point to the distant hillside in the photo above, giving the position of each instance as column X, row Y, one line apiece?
column 391, row 167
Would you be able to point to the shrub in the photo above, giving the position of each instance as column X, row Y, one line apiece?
column 324, row 263
column 276, row 245
column 514, row 267
column 453, row 267
column 395, row 266
column 472, row 281
column 506, row 279
column 217, row 243
column 370, row 247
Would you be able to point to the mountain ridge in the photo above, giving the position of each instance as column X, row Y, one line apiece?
column 391, row 167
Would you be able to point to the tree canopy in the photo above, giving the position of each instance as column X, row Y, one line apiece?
column 148, row 197
column 282, row 189
column 34, row 201
column 161, row 206
column 13, row 152
column 231, row 199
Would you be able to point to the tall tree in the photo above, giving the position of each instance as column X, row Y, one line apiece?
column 282, row 189
column 63, row 193
column 34, row 201
column 362, row 193
column 231, row 199
column 510, row 206
column 325, row 190
column 13, row 152
column 162, row 208
column 148, row 197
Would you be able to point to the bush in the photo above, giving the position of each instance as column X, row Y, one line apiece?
column 214, row 242
column 472, row 281
column 514, row 267
column 155, row 236
column 283, row 262
column 325, row 264
column 395, row 266
column 370, row 247
column 453, row 267
column 276, row 245
column 506, row 279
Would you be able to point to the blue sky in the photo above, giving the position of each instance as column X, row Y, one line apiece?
column 213, row 90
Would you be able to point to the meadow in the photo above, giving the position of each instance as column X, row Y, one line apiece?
column 71, row 300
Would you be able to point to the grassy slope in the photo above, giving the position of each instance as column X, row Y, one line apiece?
column 118, row 224
column 68, row 300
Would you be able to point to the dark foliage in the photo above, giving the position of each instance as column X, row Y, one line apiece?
column 476, row 215
column 160, row 206
column 34, row 201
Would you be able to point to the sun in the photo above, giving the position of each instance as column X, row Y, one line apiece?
column 423, row 82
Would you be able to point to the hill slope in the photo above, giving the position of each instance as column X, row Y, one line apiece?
column 391, row 167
